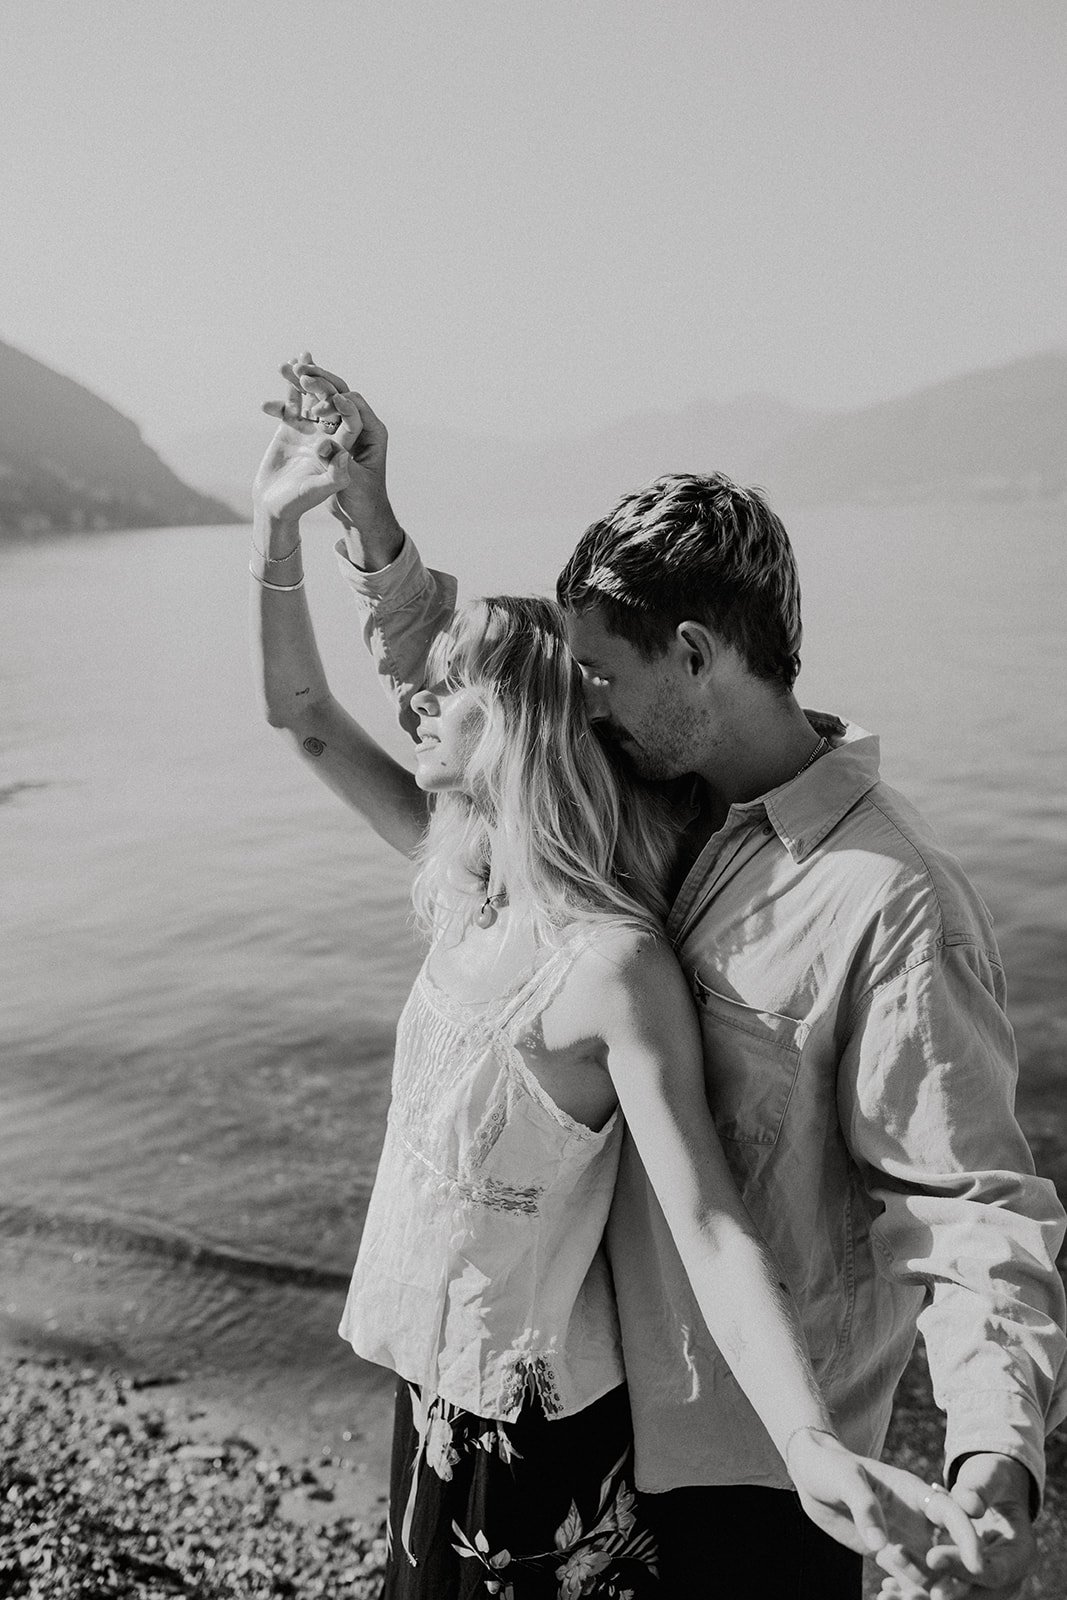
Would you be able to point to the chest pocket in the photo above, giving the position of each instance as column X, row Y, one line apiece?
column 752, row 1059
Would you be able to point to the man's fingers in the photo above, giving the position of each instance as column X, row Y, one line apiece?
column 371, row 421
column 951, row 1589
column 351, row 421
column 309, row 369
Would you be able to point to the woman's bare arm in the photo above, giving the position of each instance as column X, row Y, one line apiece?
column 302, row 467
column 647, row 1019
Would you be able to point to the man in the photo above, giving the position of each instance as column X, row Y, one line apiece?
column 859, row 1061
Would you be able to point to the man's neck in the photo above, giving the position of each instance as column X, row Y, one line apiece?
column 765, row 744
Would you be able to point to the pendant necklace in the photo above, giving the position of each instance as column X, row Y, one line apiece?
column 490, row 906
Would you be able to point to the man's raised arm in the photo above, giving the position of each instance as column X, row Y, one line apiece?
column 405, row 605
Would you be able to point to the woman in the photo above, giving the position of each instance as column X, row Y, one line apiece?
column 548, row 1006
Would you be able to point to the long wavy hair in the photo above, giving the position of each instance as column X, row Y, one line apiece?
column 572, row 835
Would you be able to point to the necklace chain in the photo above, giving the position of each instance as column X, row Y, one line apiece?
column 820, row 750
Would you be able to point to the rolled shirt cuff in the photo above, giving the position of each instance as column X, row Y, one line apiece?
column 992, row 1421
column 392, row 587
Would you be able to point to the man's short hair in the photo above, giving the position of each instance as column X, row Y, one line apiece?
column 692, row 547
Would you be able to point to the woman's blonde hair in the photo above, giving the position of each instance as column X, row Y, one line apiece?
column 571, row 834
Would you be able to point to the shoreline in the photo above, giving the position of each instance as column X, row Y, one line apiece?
column 142, row 1484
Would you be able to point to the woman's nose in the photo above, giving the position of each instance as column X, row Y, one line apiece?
column 424, row 703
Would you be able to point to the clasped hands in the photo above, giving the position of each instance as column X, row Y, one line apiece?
column 973, row 1543
column 329, row 444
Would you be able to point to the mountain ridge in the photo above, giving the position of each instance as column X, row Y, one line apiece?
column 71, row 461
column 992, row 434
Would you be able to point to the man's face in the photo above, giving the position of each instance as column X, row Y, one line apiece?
column 638, row 706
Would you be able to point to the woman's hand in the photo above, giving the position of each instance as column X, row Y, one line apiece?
column 879, row 1510
column 331, row 403
column 302, row 466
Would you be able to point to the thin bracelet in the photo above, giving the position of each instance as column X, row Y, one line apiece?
column 275, row 561
column 279, row 588
column 805, row 1427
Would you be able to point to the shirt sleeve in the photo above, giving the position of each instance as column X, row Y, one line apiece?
column 405, row 607
column 927, row 1085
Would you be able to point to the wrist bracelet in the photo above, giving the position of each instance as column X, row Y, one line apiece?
column 279, row 588
column 275, row 561
column 805, row 1427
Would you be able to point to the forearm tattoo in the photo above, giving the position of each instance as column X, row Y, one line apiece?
column 313, row 746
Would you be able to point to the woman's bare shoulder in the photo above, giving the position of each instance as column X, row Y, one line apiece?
column 624, row 957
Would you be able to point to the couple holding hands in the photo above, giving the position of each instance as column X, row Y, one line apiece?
column 703, row 1098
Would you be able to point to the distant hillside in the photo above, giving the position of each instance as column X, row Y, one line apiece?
column 450, row 476
column 997, row 433
column 70, row 461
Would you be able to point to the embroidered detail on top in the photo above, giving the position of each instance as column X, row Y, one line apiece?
column 501, row 1196
column 532, row 1375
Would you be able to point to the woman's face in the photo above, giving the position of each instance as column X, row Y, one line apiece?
column 450, row 724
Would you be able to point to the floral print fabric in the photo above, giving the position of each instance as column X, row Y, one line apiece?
column 535, row 1509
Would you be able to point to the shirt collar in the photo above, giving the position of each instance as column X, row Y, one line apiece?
column 804, row 810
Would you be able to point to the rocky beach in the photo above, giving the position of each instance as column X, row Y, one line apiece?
column 140, row 1486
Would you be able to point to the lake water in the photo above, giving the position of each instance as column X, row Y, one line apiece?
column 204, row 956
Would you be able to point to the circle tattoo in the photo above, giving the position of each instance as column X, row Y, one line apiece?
column 314, row 747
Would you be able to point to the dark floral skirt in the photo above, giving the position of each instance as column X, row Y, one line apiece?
column 524, row 1510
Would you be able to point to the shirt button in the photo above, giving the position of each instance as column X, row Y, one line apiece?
column 768, row 829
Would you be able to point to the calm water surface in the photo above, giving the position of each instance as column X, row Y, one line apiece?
column 204, row 956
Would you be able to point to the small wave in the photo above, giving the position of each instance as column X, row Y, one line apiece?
column 150, row 1238
column 8, row 791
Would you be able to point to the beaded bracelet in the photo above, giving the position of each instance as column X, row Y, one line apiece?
column 279, row 588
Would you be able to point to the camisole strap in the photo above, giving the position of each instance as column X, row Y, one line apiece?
column 520, row 1009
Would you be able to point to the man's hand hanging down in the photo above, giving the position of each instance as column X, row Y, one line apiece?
column 994, row 1491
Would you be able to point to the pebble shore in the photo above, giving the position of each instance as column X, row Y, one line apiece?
column 109, row 1488
column 125, row 1487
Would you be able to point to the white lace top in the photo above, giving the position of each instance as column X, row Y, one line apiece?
column 481, row 1273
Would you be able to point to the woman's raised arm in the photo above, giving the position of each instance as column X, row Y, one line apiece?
column 302, row 468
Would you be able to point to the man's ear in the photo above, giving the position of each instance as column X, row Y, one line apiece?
column 697, row 646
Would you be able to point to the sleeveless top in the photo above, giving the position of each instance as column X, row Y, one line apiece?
column 481, row 1273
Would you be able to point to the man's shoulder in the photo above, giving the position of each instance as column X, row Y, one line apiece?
column 886, row 845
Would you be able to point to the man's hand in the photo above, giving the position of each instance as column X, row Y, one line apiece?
column 994, row 1492
column 364, row 502
column 878, row 1509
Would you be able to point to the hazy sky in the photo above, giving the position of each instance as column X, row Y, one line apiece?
column 513, row 216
